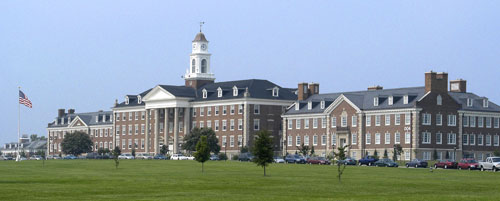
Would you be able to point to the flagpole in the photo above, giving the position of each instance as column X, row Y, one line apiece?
column 18, row 126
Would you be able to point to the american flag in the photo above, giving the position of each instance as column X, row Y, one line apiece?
column 23, row 99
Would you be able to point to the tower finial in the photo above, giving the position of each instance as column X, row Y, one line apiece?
column 201, row 24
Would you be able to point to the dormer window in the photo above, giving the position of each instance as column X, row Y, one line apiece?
column 485, row 102
column 309, row 105
column 97, row 119
column 391, row 100
column 69, row 120
column 219, row 92
column 139, row 99
column 439, row 100
column 276, row 92
column 375, row 101
column 297, row 105
column 322, row 104
column 126, row 100
column 469, row 102
column 235, row 91
column 405, row 99
column 204, row 91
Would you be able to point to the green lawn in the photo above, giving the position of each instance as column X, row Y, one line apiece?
column 183, row 180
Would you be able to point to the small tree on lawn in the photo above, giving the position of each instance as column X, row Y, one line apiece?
column 385, row 154
column 164, row 150
column 116, row 152
column 304, row 150
column 340, row 155
column 263, row 149
column 133, row 152
column 202, row 153
column 375, row 153
column 76, row 143
column 435, row 155
column 312, row 151
column 100, row 151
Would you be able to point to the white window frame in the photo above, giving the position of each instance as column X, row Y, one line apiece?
column 377, row 138
column 354, row 121
column 354, row 138
column 465, row 139
column 334, row 139
column 439, row 119
column 334, row 122
column 375, row 101
column 216, row 125
column 472, row 121
column 387, row 138
column 496, row 123
column 426, row 137
column 306, row 140
column 368, row 139
column 323, row 122
column 426, row 119
column 240, row 124
column 290, row 141
column 397, row 138
column 256, row 124
column 377, row 120
column 452, row 138
column 407, row 138
column 387, row 119
column 496, row 139
column 315, row 140
column 480, row 122
column 488, row 140
column 224, row 125
column 231, row 141
column 297, row 140
column 368, row 120
column 439, row 138
column 232, row 109
column 256, row 109
column 487, row 121
column 290, row 124
column 472, row 139
column 315, row 122
column 306, row 123
column 452, row 120
column 323, row 140
column 465, row 120
column 343, row 121
column 297, row 123
column 397, row 119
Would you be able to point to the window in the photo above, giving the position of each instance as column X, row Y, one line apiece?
column 224, row 125
column 202, row 111
column 452, row 120
column 439, row 100
column 309, row 105
column 224, row 110
column 377, row 120
column 240, row 140
column 289, row 141
column 306, row 123
column 465, row 139
column 209, row 111
column 194, row 112
column 377, row 138
column 129, row 143
column 375, row 101
column 496, row 122
column 323, row 140
column 344, row 121
column 290, row 124
column 387, row 138
column 297, row 123
column 334, row 139
column 137, row 128
column 231, row 111
column 465, row 120
column 315, row 140
column 117, row 116
column 171, row 126
column 123, row 144
column 488, row 122
column 323, row 122
column 276, row 92
column 485, row 102
column 472, row 140
column 407, row 155
column 397, row 138
column 231, row 141
column 124, row 116
column 202, row 124
column 219, row 92
column 235, row 91
column 136, row 143
column 181, row 126
column 334, row 122
column 397, row 119
column 439, row 138
column 143, row 129
column 306, row 140
column 315, row 122
column 209, row 124
column 216, row 109
column 387, row 119
column 488, row 140
column 322, row 105
column 256, row 109
column 452, row 138
column 495, row 140
column 124, row 130
column 240, row 109
column 204, row 91
column 472, row 121
column 439, row 119
column 405, row 99
column 427, row 155
column 136, row 115
column 368, row 120
column 216, row 125
column 297, row 141
column 426, row 119
column 143, row 115
column 142, row 143
column 354, row 121
column 354, row 137
column 297, row 105
column 256, row 124
column 368, row 138
column 224, row 141
column 240, row 124
column 426, row 138
column 479, row 122
column 231, row 124
column 407, row 119
column 469, row 102
column 130, row 129
column 391, row 100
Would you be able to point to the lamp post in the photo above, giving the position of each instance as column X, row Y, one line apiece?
column 455, row 153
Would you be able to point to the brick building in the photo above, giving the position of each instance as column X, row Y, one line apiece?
column 422, row 120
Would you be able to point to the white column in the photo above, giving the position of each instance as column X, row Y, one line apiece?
column 147, row 131
column 176, row 130
column 157, row 131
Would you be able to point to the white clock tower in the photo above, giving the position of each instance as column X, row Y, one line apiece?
column 199, row 72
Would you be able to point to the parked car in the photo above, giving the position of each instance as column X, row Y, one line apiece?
column 279, row 159
column 126, row 156
column 367, row 160
column 69, row 157
column 190, row 157
column 214, row 157
column 347, row 161
column 160, row 157
column 145, row 156
column 318, row 160
column 22, row 159
column 417, row 163
column 55, row 157
column 36, row 157
column 295, row 159
column 491, row 163
column 8, row 158
column 178, row 157
column 468, row 163
column 245, row 157
column 385, row 162
column 445, row 164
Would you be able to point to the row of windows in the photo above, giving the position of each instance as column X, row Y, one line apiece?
column 101, row 145
column 451, row 138
column 216, row 126
column 427, row 119
column 127, row 144
column 387, row 138
column 232, row 110
column 131, row 116
column 306, row 142
column 470, row 121
column 231, row 140
column 470, row 139
column 354, row 121
column 102, row 132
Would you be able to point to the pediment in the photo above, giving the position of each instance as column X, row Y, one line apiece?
column 158, row 94
column 77, row 122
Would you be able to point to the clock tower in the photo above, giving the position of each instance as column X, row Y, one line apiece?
column 199, row 73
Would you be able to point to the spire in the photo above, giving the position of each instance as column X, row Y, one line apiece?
column 201, row 24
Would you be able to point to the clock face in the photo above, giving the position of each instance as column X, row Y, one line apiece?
column 203, row 46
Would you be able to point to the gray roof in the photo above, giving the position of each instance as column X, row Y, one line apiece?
column 180, row 91
column 89, row 118
column 132, row 100
column 33, row 145
column 261, row 89
column 477, row 102
column 200, row 37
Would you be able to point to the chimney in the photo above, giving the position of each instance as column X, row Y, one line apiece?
column 313, row 88
column 303, row 91
column 436, row 82
column 458, row 86
column 374, row 88
column 60, row 112
column 71, row 111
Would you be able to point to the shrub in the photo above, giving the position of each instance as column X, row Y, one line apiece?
column 222, row 156
column 235, row 157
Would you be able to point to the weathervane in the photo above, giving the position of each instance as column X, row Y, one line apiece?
column 201, row 24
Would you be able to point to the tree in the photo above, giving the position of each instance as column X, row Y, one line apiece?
column 76, row 143
column 397, row 152
column 263, row 149
column 164, row 150
column 312, row 150
column 100, row 151
column 202, row 153
column 385, row 154
column 116, row 152
column 191, row 140
column 435, row 155
column 133, row 152
column 496, row 153
column 222, row 156
column 23, row 154
column 304, row 150
column 375, row 153
column 244, row 149
column 33, row 137
column 340, row 155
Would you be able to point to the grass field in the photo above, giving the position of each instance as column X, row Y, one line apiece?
column 183, row 180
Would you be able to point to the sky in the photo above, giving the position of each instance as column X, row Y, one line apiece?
column 86, row 54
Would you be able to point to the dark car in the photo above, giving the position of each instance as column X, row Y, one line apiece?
column 347, row 161
column 446, row 164
column 318, row 160
column 214, row 157
column 417, row 163
column 295, row 159
column 385, row 162
column 69, row 157
column 368, row 160
column 468, row 163
column 245, row 157
column 160, row 157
